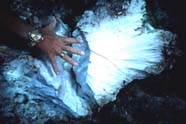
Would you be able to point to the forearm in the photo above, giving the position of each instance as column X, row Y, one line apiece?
column 14, row 24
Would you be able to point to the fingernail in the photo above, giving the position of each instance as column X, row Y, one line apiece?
column 75, row 63
column 82, row 53
column 57, row 73
column 81, row 41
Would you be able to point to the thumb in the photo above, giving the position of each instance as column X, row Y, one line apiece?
column 54, row 64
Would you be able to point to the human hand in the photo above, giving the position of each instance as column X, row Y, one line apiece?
column 53, row 45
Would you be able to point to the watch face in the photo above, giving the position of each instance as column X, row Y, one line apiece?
column 36, row 36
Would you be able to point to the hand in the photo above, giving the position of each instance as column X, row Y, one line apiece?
column 54, row 45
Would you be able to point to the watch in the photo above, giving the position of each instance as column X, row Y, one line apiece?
column 35, row 37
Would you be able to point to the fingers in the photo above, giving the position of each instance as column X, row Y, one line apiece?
column 54, row 64
column 70, row 60
column 70, row 40
column 59, row 48
column 72, row 50
column 65, row 57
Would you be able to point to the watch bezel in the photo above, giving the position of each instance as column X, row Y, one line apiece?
column 35, row 37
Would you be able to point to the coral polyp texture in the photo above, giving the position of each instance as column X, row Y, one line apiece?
column 123, row 47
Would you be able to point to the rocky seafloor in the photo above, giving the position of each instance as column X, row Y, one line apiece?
column 157, row 99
